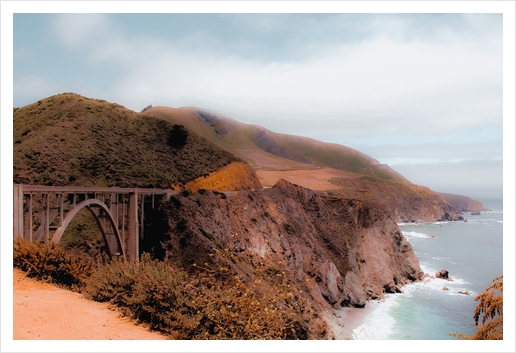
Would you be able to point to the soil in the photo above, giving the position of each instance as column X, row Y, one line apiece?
column 315, row 179
column 42, row 311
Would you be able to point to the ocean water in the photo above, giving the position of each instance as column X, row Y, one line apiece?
column 472, row 254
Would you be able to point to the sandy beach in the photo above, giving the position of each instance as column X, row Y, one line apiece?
column 344, row 320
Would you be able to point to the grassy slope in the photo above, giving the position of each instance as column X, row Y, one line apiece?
column 235, row 141
column 68, row 139
column 264, row 149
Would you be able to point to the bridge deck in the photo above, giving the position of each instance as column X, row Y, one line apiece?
column 93, row 189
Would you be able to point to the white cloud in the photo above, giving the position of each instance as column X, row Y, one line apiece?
column 77, row 30
column 35, row 87
column 436, row 151
column 378, row 85
column 478, row 178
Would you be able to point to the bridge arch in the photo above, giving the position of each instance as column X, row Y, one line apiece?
column 90, row 204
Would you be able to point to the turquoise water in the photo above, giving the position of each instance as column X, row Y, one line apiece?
column 472, row 253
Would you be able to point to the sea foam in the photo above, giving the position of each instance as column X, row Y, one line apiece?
column 379, row 324
column 415, row 234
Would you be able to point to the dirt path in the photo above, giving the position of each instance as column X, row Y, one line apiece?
column 44, row 312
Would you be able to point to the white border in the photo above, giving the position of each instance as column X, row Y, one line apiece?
column 7, row 10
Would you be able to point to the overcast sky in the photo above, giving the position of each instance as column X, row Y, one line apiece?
column 420, row 92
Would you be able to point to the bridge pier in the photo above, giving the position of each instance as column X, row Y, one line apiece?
column 133, row 251
column 120, row 222
column 18, row 210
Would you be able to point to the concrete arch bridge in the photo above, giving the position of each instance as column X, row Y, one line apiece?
column 42, row 213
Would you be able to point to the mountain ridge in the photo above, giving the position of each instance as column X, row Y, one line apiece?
column 267, row 151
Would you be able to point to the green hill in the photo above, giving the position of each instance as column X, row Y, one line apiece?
column 68, row 139
column 264, row 149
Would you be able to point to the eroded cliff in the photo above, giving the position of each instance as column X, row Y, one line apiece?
column 338, row 252
column 405, row 202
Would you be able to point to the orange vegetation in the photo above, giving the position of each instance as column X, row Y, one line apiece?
column 233, row 177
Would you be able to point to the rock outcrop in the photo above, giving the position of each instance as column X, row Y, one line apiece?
column 443, row 274
column 339, row 252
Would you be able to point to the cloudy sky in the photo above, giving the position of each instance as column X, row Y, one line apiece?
column 420, row 92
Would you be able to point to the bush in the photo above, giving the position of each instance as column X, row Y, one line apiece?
column 490, row 308
column 177, row 136
column 51, row 263
column 200, row 306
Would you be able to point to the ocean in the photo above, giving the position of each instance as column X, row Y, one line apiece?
column 472, row 254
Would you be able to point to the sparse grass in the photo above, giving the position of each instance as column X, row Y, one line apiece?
column 72, row 140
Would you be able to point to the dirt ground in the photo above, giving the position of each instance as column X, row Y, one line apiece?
column 44, row 312
column 315, row 179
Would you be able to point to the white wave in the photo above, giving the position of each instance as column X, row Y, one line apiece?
column 483, row 221
column 379, row 324
column 439, row 282
column 444, row 259
column 489, row 220
column 480, row 219
column 416, row 234
column 440, row 222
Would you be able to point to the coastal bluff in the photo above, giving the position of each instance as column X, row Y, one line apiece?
column 337, row 252
column 463, row 203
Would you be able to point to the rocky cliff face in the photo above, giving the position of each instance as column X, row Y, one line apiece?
column 405, row 202
column 338, row 252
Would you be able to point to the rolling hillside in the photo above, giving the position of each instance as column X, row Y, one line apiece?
column 68, row 139
column 264, row 149
column 314, row 164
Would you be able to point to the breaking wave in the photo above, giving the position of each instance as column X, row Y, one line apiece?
column 416, row 234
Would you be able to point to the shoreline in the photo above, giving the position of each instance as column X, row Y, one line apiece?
column 344, row 321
